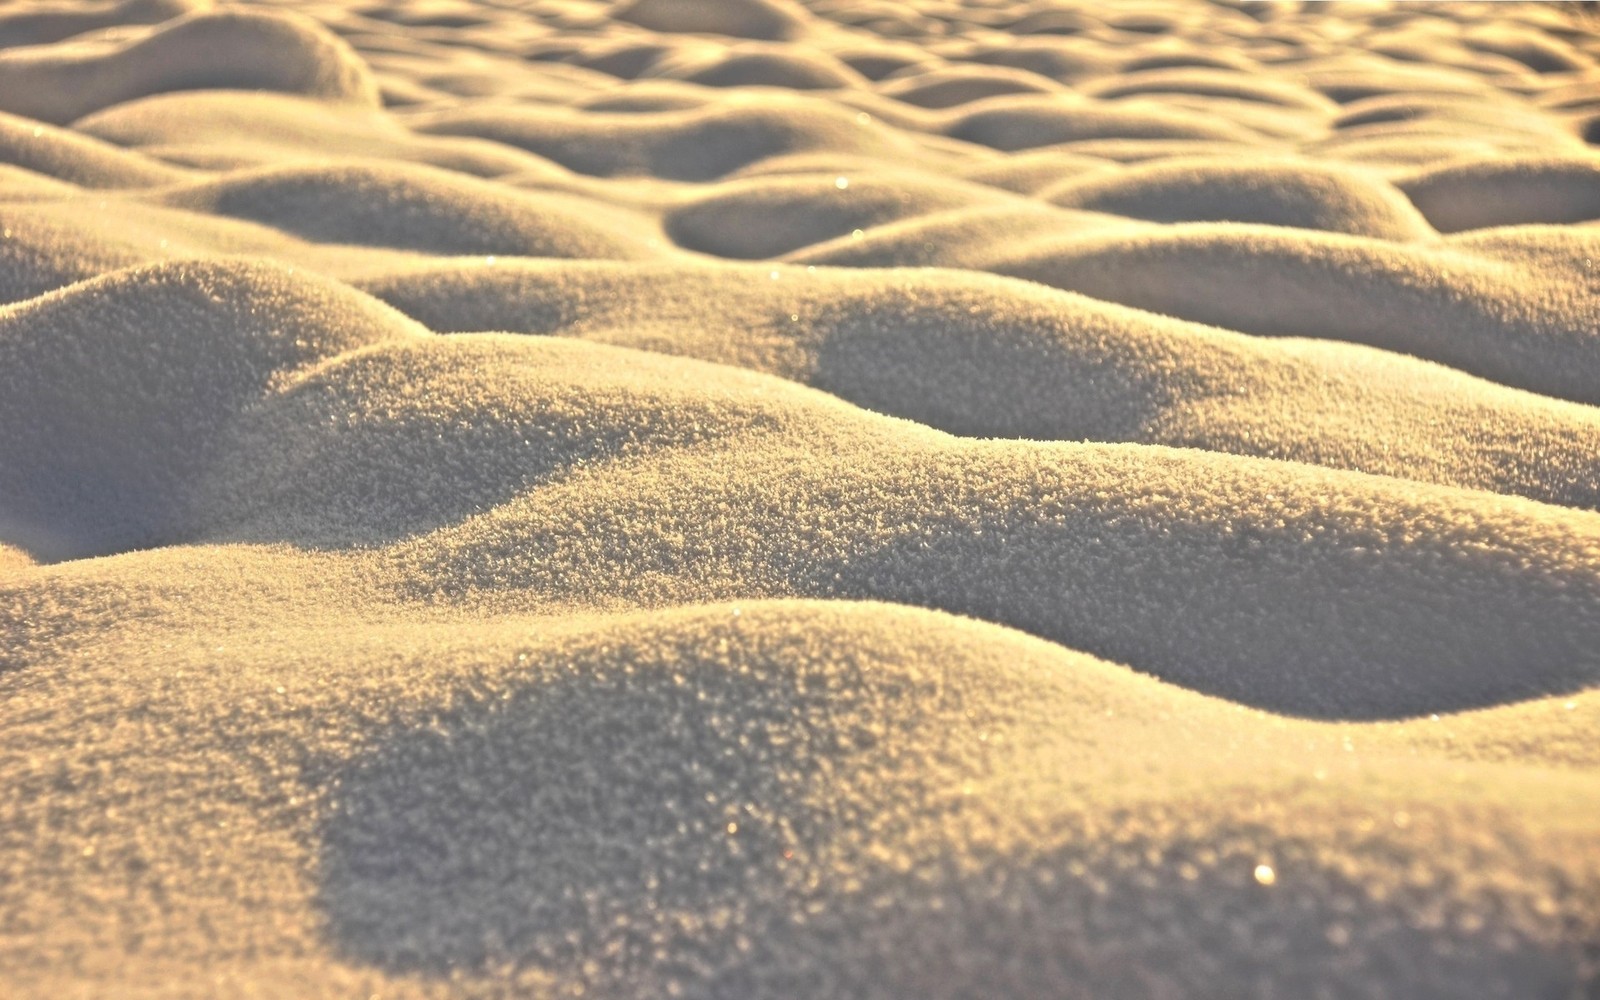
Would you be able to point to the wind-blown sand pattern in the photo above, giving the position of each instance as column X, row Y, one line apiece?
column 756, row 498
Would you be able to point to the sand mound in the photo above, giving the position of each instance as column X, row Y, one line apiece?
column 876, row 769
column 812, row 499
column 1479, row 195
column 769, row 216
column 751, row 65
column 334, row 455
column 1033, row 171
column 1205, row 82
column 798, row 751
column 77, row 159
column 1013, row 123
column 1475, row 311
column 111, row 415
column 53, row 243
column 54, row 22
column 989, row 357
column 696, row 145
column 1064, row 60
column 1117, row 539
column 416, row 208
column 766, row 19
column 266, row 128
column 626, row 456
column 948, row 87
column 20, row 185
column 232, row 49
column 1275, row 194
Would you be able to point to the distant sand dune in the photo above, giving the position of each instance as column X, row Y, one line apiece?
column 696, row 145
column 1222, row 190
column 416, row 208
column 990, row 357
column 42, row 24
column 69, row 156
column 237, row 49
column 266, row 128
column 1483, row 194
column 1484, row 312
column 799, row 498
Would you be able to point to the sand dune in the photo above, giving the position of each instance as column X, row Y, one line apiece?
column 694, row 145
column 416, row 208
column 77, row 159
column 1484, row 194
column 106, row 381
column 42, row 24
column 765, row 19
column 237, row 49
column 258, row 128
column 756, row 218
column 988, row 357
column 799, row 498
column 1301, row 196
column 1478, row 304
column 347, row 451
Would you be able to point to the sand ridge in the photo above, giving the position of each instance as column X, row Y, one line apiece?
column 799, row 498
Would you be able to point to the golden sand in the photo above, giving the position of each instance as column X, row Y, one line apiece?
column 752, row 498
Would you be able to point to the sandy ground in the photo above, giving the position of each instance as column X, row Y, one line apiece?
column 747, row 498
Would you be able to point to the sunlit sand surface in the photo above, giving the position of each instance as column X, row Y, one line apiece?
column 826, row 499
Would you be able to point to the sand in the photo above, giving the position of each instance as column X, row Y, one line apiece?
column 758, row 498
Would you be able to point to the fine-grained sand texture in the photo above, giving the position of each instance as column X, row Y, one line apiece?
column 799, row 499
